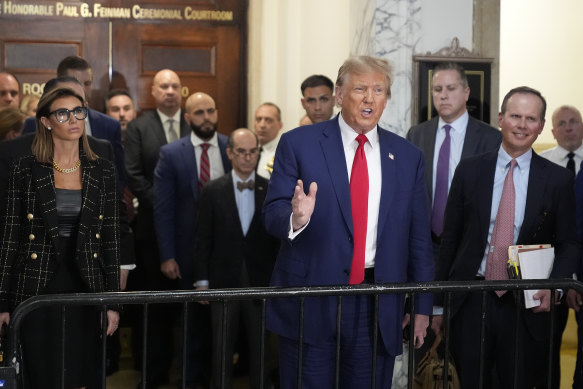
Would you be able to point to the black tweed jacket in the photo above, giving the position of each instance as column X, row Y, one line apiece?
column 28, row 251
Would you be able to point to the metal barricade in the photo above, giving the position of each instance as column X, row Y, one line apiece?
column 10, row 373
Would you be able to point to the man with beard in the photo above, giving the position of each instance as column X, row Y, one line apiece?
column 144, row 137
column 184, row 167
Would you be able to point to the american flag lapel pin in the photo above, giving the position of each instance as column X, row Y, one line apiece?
column 391, row 156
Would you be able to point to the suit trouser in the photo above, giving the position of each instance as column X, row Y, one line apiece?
column 499, row 344
column 356, row 353
column 578, row 376
column 249, row 313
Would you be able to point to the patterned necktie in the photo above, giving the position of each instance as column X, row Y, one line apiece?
column 172, row 136
column 503, row 233
column 359, row 203
column 245, row 185
column 571, row 162
column 441, row 184
column 205, row 170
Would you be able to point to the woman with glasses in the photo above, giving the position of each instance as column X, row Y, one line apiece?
column 60, row 235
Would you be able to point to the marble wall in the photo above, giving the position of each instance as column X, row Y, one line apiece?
column 404, row 28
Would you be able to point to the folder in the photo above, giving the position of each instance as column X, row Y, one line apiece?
column 530, row 262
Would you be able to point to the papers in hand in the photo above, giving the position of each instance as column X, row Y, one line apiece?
column 534, row 262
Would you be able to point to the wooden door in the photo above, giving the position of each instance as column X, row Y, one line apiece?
column 206, row 46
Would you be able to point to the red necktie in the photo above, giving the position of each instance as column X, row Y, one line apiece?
column 205, row 170
column 503, row 232
column 359, row 203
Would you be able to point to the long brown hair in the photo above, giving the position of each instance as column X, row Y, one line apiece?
column 42, row 145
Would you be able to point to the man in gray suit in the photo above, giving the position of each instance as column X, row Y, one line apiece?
column 464, row 137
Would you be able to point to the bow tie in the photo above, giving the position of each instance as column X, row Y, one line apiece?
column 245, row 185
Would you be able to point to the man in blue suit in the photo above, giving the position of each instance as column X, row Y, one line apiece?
column 183, row 168
column 368, row 224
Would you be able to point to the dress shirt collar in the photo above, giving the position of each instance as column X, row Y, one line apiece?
column 272, row 144
column 236, row 178
column 196, row 141
column 349, row 135
column 459, row 125
column 523, row 161
column 563, row 152
column 176, row 119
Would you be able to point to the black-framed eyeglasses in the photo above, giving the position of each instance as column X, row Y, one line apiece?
column 244, row 153
column 63, row 114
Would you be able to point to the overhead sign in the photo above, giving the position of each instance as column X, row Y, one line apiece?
column 59, row 9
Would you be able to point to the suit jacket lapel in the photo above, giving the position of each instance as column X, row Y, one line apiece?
column 188, row 160
column 260, row 192
column 230, row 202
column 471, row 139
column 223, row 149
column 389, row 177
column 333, row 150
column 158, row 129
column 429, row 149
column 91, row 179
column 486, row 183
column 534, row 197
column 43, row 179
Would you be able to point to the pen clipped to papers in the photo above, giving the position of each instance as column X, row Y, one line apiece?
column 530, row 262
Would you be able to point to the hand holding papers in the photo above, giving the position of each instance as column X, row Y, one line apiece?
column 529, row 262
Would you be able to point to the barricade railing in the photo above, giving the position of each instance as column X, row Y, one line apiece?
column 10, row 372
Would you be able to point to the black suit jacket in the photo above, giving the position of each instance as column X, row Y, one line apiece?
column 29, row 243
column 221, row 247
column 144, row 138
column 549, row 217
column 480, row 137
column 19, row 147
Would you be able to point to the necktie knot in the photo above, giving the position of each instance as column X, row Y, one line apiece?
column 361, row 139
column 447, row 128
column 245, row 185
column 570, row 155
column 205, row 146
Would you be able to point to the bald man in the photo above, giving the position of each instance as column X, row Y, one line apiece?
column 184, row 167
column 9, row 91
column 143, row 140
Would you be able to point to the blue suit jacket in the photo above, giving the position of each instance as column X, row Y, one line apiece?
column 322, row 253
column 102, row 127
column 176, row 195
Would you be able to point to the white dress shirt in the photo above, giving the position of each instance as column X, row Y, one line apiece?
column 214, row 153
column 166, row 125
column 373, row 162
column 558, row 155
column 245, row 200
column 266, row 157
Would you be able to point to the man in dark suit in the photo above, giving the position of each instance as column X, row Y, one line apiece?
column 467, row 136
column 369, row 224
column 96, row 124
column 233, row 250
column 183, row 168
column 504, row 197
column 575, row 299
column 144, row 138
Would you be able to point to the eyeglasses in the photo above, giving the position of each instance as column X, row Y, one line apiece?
column 244, row 153
column 63, row 114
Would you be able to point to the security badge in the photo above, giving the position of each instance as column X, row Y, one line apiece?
column 269, row 166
